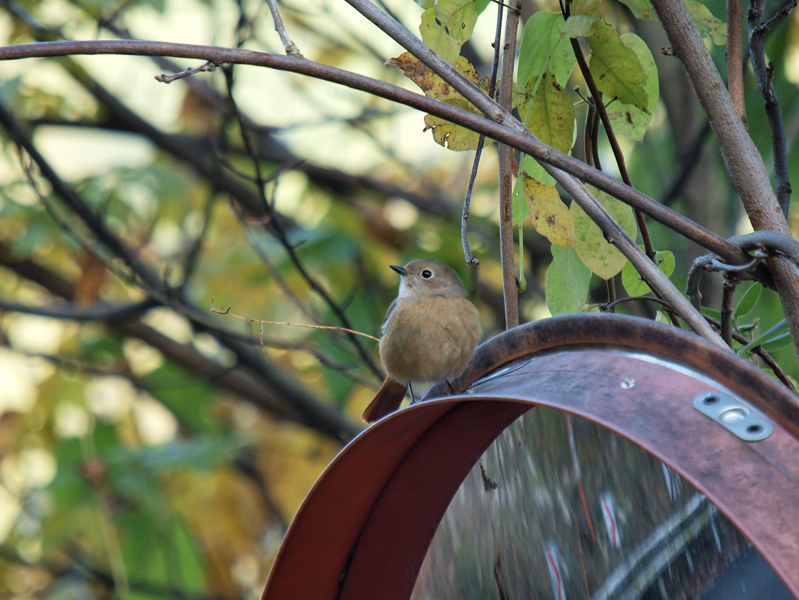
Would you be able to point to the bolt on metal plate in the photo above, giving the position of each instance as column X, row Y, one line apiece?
column 735, row 415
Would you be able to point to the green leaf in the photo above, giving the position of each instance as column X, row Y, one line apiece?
column 629, row 120
column 711, row 313
column 548, row 112
column 706, row 23
column 531, row 167
column 774, row 333
column 550, row 216
column 579, row 26
column 516, row 205
column 451, row 136
column 748, row 301
column 780, row 341
column 566, row 282
column 544, row 48
column 447, row 25
column 595, row 252
column 632, row 281
column 615, row 67
column 642, row 10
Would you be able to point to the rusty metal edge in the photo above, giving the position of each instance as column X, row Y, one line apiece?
column 298, row 560
column 575, row 330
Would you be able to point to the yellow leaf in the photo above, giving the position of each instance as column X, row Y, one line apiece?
column 445, row 133
column 550, row 216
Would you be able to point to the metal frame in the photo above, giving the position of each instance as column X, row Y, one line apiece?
column 364, row 528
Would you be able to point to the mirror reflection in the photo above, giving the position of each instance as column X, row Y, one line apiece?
column 559, row 507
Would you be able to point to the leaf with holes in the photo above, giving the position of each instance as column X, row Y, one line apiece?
column 548, row 112
column 449, row 135
column 447, row 25
column 550, row 216
column 615, row 67
column 629, row 120
column 592, row 247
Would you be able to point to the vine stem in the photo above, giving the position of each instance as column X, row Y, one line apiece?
column 599, row 106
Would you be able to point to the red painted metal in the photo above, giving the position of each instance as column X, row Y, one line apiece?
column 365, row 527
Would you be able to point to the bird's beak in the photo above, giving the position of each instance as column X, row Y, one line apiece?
column 400, row 270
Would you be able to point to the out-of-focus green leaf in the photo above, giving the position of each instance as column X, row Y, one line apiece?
column 706, row 23
column 187, row 397
column 566, row 281
column 642, row 10
column 748, row 301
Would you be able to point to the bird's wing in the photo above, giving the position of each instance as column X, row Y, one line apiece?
column 391, row 308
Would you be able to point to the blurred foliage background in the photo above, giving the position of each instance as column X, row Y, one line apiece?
column 150, row 448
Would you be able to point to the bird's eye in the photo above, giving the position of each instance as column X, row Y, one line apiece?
column 427, row 273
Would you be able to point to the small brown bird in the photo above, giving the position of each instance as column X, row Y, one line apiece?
column 429, row 334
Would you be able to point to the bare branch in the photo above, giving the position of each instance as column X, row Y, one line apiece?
column 470, row 260
column 510, row 287
column 764, row 74
column 743, row 161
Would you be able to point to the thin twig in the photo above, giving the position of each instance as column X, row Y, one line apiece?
column 599, row 107
column 690, row 162
column 277, row 228
column 470, row 260
column 727, row 308
column 764, row 74
column 207, row 67
column 226, row 311
column 291, row 47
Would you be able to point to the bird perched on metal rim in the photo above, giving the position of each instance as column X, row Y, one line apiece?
column 429, row 333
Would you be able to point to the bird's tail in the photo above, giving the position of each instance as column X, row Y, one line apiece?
column 387, row 400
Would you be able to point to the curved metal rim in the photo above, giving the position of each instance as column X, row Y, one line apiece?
column 361, row 527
